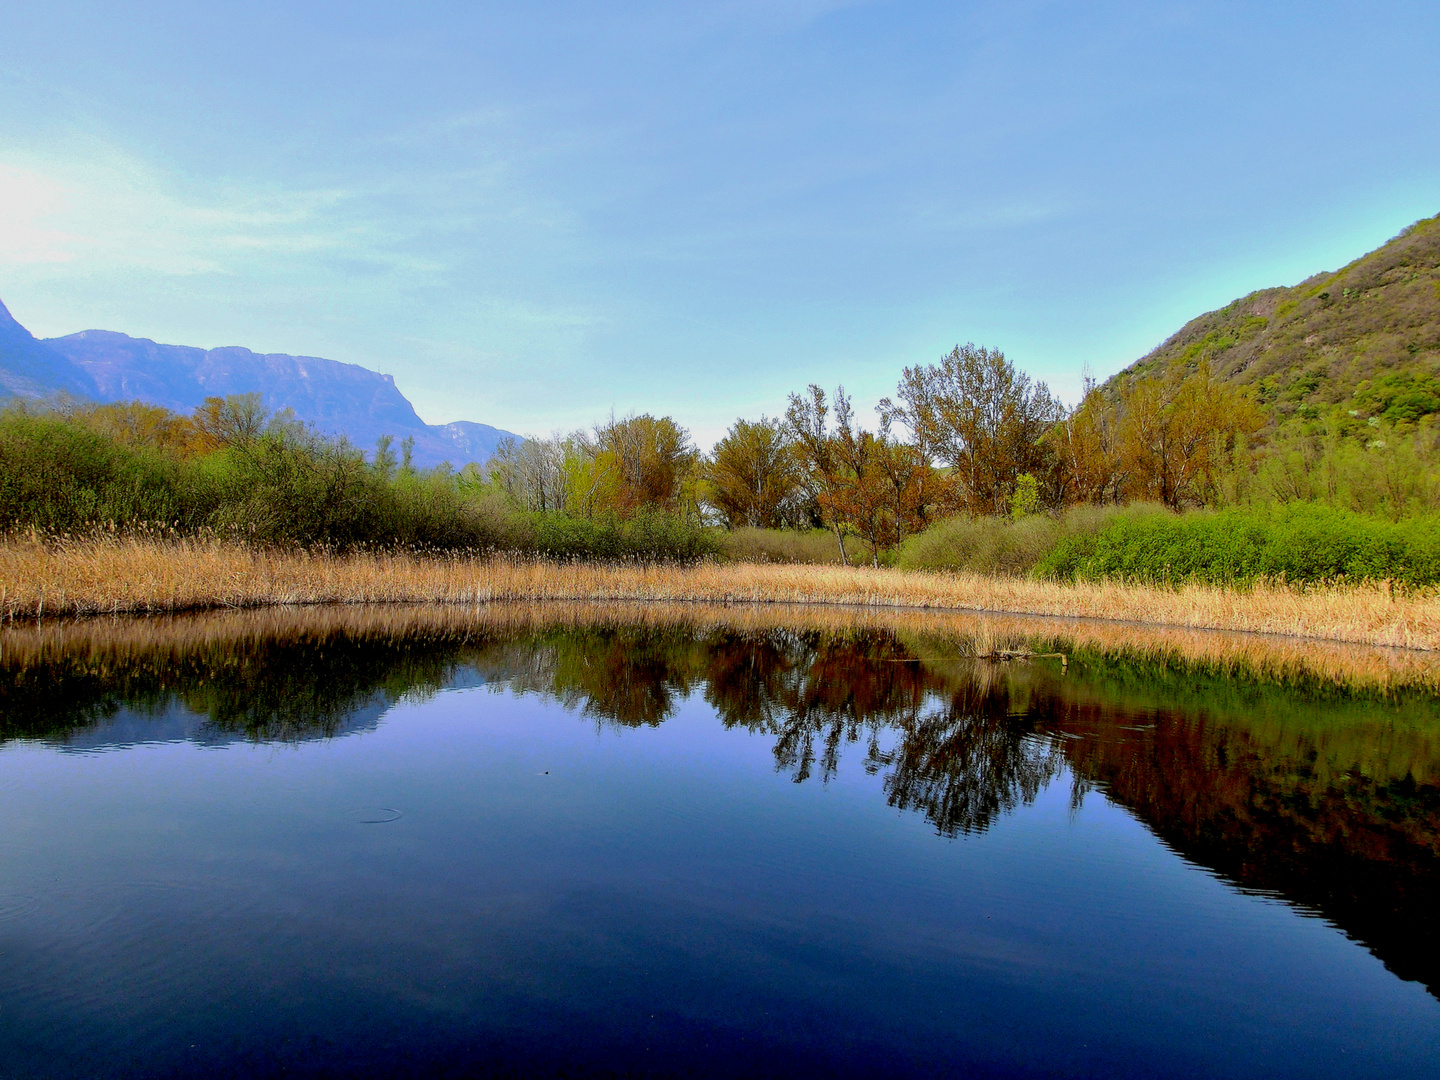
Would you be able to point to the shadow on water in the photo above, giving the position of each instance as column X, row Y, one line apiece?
column 1324, row 796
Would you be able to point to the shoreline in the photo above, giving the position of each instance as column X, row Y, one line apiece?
column 149, row 577
column 92, row 645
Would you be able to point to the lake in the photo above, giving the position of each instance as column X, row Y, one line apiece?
column 633, row 842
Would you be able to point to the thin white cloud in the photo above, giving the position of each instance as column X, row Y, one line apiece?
column 94, row 208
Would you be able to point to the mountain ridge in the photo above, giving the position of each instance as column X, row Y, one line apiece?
column 29, row 368
column 1366, row 336
column 335, row 397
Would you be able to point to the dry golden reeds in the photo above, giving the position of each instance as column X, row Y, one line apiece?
column 936, row 635
column 115, row 576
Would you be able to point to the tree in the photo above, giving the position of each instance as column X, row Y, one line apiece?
column 236, row 420
column 822, row 469
column 640, row 462
column 533, row 472
column 864, row 482
column 754, row 475
column 1085, row 444
column 135, row 423
column 861, row 499
column 976, row 414
column 1175, row 431
column 384, row 462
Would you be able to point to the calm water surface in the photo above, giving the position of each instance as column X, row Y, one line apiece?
column 673, row 851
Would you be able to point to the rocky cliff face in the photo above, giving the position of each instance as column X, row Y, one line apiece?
column 338, row 399
column 29, row 368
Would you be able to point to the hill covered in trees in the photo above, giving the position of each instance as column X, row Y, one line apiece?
column 1366, row 337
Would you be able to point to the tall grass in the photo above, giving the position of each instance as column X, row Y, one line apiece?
column 123, row 574
column 811, row 547
column 998, row 545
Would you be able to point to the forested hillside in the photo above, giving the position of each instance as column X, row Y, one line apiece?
column 1366, row 336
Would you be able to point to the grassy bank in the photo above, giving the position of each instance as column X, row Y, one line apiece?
column 138, row 575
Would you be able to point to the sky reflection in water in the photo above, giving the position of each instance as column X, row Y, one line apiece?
column 669, row 850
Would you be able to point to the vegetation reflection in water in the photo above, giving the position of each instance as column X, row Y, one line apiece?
column 1319, row 784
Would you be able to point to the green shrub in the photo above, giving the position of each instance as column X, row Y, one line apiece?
column 648, row 536
column 1302, row 544
column 58, row 476
column 289, row 486
column 998, row 545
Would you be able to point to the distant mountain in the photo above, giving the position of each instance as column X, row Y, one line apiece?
column 28, row 368
column 338, row 399
column 1367, row 335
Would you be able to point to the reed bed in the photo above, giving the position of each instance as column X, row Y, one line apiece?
column 130, row 576
column 110, row 644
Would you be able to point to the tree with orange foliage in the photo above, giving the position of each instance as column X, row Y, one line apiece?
column 135, row 423
column 865, row 482
column 1160, row 438
column 1174, row 432
column 974, row 412
column 1087, row 455
column 650, row 462
column 823, row 470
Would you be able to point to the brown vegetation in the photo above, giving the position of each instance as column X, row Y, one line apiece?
column 138, row 575
column 938, row 636
column 1163, row 440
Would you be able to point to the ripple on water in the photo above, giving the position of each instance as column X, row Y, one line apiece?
column 373, row 815
column 17, row 906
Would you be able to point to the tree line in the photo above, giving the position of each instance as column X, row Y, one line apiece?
column 970, row 434
column 967, row 437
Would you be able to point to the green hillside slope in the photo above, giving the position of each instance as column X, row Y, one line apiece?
column 1366, row 337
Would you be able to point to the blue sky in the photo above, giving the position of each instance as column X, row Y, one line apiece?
column 532, row 213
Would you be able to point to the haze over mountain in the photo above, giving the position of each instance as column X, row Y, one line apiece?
column 337, row 398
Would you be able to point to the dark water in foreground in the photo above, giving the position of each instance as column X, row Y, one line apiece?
column 671, row 851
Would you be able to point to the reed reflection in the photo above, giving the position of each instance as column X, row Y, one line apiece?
column 1330, row 802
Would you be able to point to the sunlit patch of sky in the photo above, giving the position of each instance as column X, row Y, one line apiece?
column 534, row 214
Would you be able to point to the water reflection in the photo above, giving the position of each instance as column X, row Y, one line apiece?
column 1330, row 801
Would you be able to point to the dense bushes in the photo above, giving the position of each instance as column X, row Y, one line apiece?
column 59, row 476
column 1301, row 544
column 279, row 483
column 998, row 545
column 286, row 486
column 282, row 484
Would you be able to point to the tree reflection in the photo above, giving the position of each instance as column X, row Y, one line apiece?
column 966, row 764
column 1342, row 817
column 816, row 693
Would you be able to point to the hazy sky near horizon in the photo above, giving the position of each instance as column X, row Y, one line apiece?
column 533, row 213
